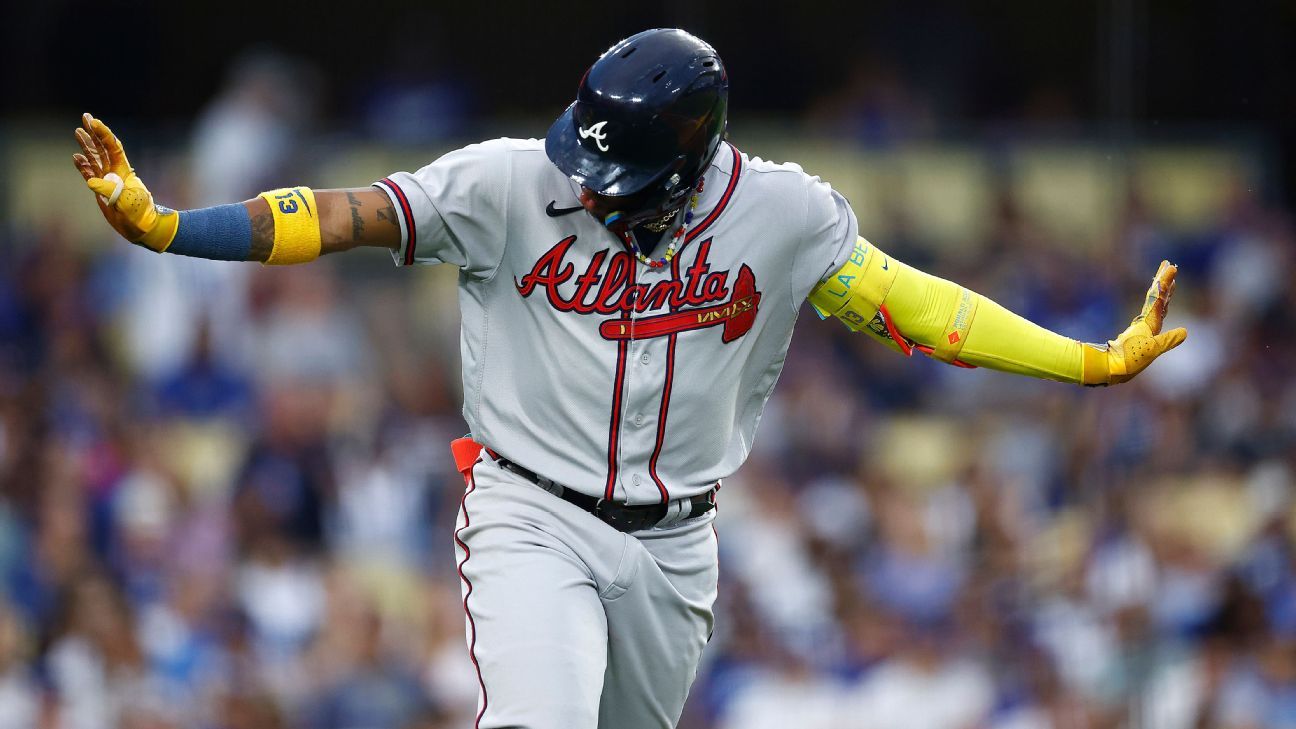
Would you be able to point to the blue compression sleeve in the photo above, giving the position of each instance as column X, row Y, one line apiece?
column 221, row 233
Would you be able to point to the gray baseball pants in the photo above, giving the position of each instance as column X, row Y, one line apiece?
column 572, row 624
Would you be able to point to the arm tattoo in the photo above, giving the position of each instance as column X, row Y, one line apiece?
column 388, row 214
column 357, row 223
column 262, row 236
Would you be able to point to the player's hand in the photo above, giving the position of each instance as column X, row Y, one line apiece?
column 1143, row 341
column 126, row 203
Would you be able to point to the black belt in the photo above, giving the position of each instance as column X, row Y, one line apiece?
column 616, row 514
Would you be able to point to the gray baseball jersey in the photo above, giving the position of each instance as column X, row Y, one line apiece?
column 584, row 365
column 619, row 380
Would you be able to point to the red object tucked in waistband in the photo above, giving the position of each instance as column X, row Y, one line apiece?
column 466, row 451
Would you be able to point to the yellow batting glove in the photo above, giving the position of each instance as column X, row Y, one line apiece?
column 123, row 199
column 1141, row 342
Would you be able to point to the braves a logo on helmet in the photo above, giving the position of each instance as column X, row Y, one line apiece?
column 595, row 132
column 697, row 297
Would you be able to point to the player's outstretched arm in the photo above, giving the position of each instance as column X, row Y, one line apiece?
column 292, row 225
column 909, row 309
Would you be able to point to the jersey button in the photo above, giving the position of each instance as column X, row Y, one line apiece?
column 637, row 481
column 638, row 420
column 644, row 358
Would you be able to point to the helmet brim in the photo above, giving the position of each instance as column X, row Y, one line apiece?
column 593, row 169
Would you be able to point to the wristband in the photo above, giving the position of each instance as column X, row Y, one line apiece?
column 296, row 226
column 221, row 233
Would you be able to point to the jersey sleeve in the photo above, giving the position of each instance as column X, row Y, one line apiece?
column 454, row 210
column 828, row 236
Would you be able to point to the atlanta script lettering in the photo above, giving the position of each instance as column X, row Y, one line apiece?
column 698, row 297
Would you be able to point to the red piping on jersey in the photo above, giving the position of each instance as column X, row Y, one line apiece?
column 614, row 428
column 408, row 214
column 661, row 419
column 471, row 483
column 665, row 401
column 734, row 173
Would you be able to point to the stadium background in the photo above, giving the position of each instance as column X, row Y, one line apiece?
column 225, row 497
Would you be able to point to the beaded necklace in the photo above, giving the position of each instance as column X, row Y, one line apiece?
column 675, row 238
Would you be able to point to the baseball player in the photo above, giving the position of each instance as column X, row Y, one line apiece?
column 628, row 287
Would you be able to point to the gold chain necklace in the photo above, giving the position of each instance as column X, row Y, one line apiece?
column 676, row 237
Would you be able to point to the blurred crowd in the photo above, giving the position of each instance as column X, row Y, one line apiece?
column 226, row 498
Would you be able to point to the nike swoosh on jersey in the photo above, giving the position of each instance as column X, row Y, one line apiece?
column 555, row 212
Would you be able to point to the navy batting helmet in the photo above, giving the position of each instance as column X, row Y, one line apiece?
column 648, row 117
